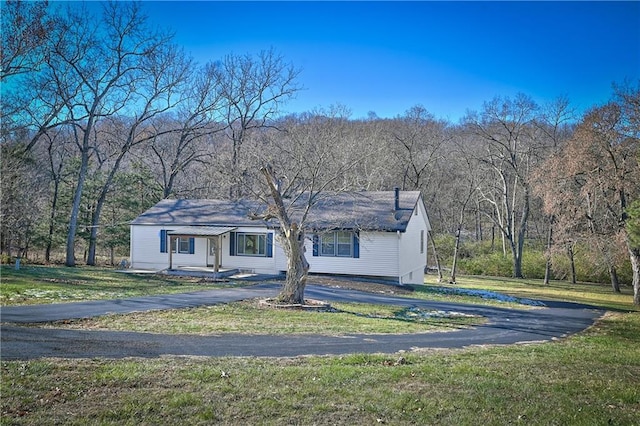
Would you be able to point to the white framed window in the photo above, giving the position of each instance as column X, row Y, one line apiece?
column 327, row 245
column 182, row 245
column 338, row 243
column 251, row 244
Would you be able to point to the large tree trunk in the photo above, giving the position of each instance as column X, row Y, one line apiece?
column 93, row 237
column 75, row 208
column 297, row 267
column 435, row 256
column 292, row 237
column 52, row 219
column 522, row 229
column 613, row 274
column 516, row 252
column 547, row 266
column 572, row 263
column 456, row 247
column 95, row 217
column 634, row 255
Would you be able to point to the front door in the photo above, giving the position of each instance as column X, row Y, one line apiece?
column 211, row 254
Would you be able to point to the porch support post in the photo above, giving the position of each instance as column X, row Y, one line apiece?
column 216, row 266
column 170, row 252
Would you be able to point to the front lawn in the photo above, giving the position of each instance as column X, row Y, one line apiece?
column 596, row 294
column 249, row 318
column 47, row 284
column 589, row 379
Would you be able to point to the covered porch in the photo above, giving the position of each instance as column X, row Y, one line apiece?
column 213, row 235
column 203, row 272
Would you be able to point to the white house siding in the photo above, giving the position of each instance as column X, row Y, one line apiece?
column 378, row 257
column 145, row 252
column 384, row 254
column 198, row 258
column 280, row 256
column 256, row 264
column 145, row 248
column 412, row 260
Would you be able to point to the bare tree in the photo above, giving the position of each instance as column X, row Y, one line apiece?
column 26, row 27
column 555, row 124
column 162, row 73
column 418, row 138
column 558, row 195
column 253, row 89
column 19, row 209
column 464, row 170
column 596, row 175
column 372, row 172
column 92, row 69
column 182, row 139
column 29, row 100
column 58, row 158
column 310, row 163
column 505, row 129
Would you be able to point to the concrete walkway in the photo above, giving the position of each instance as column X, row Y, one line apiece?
column 505, row 326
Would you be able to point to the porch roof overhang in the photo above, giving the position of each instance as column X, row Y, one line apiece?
column 202, row 231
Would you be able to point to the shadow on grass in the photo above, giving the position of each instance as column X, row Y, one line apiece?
column 415, row 315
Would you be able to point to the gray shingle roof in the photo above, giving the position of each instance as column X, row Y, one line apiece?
column 203, row 231
column 366, row 210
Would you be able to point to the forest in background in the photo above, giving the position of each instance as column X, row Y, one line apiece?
column 104, row 117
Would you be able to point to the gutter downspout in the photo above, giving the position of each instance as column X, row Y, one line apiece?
column 396, row 199
column 396, row 208
column 399, row 269
column 170, row 252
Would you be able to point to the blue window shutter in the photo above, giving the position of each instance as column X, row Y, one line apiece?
column 356, row 245
column 163, row 241
column 316, row 244
column 232, row 243
column 269, row 244
column 192, row 245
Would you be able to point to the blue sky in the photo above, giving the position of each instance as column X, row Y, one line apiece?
column 386, row 57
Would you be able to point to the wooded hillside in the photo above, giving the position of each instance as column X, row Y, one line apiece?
column 102, row 118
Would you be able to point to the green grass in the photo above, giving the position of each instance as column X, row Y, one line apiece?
column 589, row 379
column 587, row 293
column 247, row 317
column 41, row 284
column 592, row 378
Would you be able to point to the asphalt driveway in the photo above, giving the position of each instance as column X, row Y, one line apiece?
column 505, row 326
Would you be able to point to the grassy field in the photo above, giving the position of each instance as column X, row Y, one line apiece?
column 40, row 284
column 249, row 317
column 589, row 379
column 587, row 293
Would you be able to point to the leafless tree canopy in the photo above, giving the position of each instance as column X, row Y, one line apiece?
column 103, row 116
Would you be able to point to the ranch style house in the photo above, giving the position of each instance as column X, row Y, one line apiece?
column 379, row 234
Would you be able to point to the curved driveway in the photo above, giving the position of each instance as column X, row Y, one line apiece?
column 505, row 326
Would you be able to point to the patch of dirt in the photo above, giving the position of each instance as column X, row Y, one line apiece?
column 62, row 280
column 359, row 284
column 309, row 305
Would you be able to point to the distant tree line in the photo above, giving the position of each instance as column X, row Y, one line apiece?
column 103, row 116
